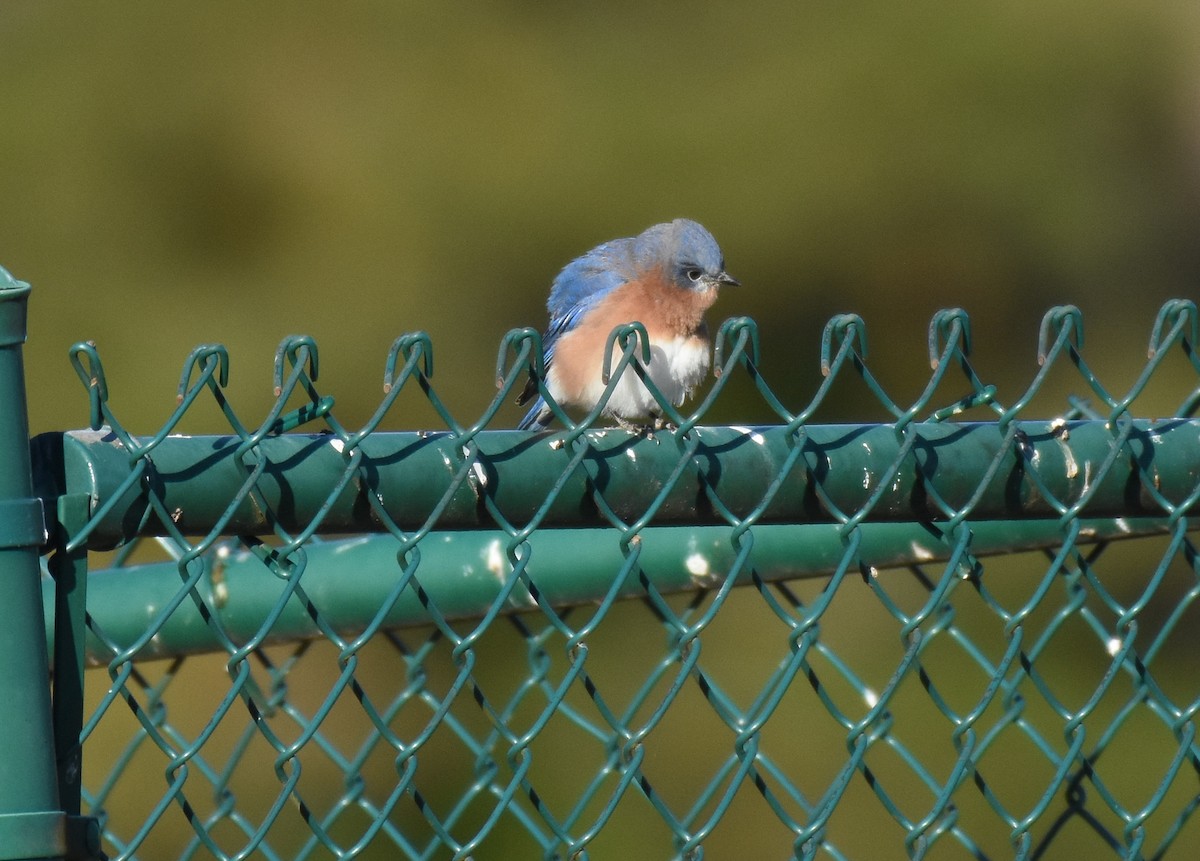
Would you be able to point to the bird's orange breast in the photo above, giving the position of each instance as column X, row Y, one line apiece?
column 667, row 311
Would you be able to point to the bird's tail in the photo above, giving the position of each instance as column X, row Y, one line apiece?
column 538, row 417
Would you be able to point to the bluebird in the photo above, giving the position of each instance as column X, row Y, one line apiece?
column 665, row 278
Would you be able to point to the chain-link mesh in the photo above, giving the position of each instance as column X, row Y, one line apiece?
column 551, row 649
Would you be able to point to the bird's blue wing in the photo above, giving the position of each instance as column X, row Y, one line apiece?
column 538, row 417
column 581, row 284
column 559, row 326
column 584, row 282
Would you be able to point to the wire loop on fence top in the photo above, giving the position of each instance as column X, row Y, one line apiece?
column 92, row 376
column 1177, row 320
column 416, row 348
column 527, row 345
column 953, row 326
column 739, row 335
column 1061, row 326
column 206, row 358
column 851, row 333
column 632, row 340
column 296, row 350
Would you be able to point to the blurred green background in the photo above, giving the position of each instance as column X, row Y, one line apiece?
column 238, row 172
column 172, row 175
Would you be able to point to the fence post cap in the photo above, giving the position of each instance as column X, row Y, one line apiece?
column 14, row 297
column 8, row 283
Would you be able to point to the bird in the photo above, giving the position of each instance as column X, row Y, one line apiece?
column 666, row 278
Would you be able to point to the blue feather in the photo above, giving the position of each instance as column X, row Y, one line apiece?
column 531, row 420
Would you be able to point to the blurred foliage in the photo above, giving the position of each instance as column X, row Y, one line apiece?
column 237, row 172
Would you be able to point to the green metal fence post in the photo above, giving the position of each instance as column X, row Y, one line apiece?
column 31, row 823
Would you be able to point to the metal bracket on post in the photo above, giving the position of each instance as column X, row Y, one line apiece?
column 52, row 834
column 21, row 523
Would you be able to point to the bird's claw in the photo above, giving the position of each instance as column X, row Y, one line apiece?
column 646, row 429
column 632, row 427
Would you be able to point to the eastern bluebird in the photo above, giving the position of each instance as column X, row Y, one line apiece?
column 665, row 278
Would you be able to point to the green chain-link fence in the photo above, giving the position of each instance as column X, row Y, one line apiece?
column 925, row 638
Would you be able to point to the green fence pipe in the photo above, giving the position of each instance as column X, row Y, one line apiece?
column 31, row 823
column 463, row 573
column 197, row 477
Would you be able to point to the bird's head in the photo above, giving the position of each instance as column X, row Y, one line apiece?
column 687, row 253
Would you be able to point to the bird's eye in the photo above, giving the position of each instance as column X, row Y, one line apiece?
column 694, row 275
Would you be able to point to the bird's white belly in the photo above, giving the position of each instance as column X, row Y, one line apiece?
column 676, row 367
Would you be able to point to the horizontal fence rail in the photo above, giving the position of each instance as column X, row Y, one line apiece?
column 959, row 631
column 929, row 472
column 468, row 573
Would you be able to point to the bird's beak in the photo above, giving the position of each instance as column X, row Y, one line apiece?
column 727, row 280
